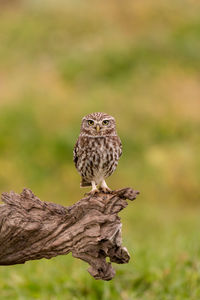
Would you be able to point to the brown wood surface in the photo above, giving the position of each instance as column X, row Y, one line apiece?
column 91, row 229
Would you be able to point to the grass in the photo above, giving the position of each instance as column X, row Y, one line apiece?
column 140, row 63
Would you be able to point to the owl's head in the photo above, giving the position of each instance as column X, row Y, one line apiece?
column 98, row 124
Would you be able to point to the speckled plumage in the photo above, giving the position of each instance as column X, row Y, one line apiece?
column 97, row 150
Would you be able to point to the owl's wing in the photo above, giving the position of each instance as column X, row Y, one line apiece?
column 76, row 153
column 120, row 147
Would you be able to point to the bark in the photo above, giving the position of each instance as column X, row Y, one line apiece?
column 91, row 229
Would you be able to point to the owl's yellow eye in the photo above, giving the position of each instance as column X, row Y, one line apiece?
column 90, row 122
column 105, row 122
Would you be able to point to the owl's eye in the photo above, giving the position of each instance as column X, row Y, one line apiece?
column 105, row 122
column 90, row 122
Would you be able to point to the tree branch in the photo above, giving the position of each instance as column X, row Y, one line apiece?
column 91, row 229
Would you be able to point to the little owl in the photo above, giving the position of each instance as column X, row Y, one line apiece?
column 97, row 150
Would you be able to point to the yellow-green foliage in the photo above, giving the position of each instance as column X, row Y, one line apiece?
column 140, row 62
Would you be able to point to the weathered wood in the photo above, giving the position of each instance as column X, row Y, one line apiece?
column 91, row 229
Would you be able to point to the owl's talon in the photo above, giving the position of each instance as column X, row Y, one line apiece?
column 92, row 192
column 106, row 190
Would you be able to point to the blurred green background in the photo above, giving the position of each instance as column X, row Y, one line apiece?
column 140, row 62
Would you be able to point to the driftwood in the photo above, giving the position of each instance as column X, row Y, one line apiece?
column 91, row 229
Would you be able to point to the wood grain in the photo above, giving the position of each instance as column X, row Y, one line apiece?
column 90, row 229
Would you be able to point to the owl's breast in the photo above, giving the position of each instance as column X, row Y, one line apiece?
column 98, row 157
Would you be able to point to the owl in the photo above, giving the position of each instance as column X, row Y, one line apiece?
column 97, row 151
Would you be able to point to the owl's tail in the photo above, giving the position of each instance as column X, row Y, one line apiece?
column 84, row 183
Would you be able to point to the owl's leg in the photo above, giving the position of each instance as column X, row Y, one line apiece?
column 104, row 187
column 94, row 189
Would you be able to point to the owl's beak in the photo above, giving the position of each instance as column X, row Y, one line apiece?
column 97, row 128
